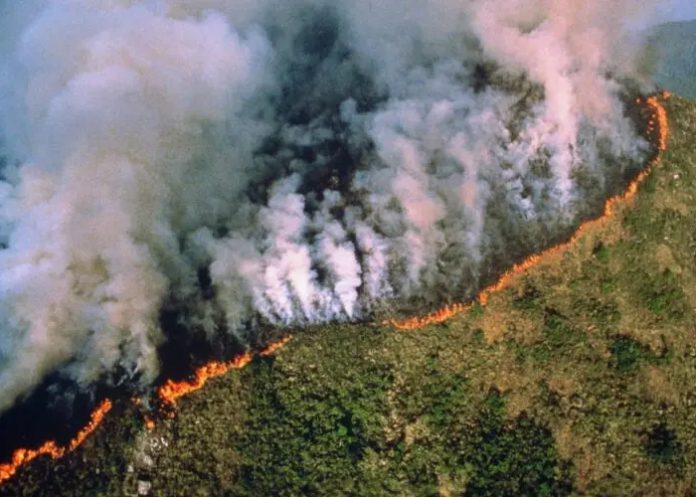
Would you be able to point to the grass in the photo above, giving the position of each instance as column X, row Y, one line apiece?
column 577, row 380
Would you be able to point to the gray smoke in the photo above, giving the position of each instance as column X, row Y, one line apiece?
column 287, row 162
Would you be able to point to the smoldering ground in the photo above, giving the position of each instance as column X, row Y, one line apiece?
column 176, row 173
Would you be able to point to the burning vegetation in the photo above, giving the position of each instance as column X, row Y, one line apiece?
column 24, row 456
column 178, row 174
column 657, row 130
column 198, row 174
column 171, row 391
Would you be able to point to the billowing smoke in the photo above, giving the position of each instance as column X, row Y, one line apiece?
column 284, row 162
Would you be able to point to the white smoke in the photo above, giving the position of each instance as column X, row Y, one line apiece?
column 316, row 160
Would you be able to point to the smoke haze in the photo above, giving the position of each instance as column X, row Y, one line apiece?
column 251, row 163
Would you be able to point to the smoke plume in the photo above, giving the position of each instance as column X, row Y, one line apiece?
column 280, row 163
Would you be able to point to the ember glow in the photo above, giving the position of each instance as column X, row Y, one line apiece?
column 658, row 129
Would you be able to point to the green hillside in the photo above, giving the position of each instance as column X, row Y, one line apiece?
column 578, row 379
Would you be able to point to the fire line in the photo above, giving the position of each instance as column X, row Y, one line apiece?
column 657, row 125
column 21, row 457
column 171, row 391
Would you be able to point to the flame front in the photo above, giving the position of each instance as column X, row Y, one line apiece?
column 21, row 457
column 658, row 129
column 171, row 391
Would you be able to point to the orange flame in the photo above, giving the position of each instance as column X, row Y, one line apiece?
column 171, row 391
column 21, row 457
column 275, row 346
column 149, row 422
column 659, row 119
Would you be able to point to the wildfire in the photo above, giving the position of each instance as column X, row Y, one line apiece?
column 275, row 346
column 440, row 316
column 21, row 457
column 171, row 391
column 658, row 127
